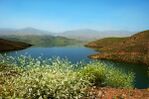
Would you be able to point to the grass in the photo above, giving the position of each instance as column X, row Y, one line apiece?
column 106, row 44
column 44, row 40
column 133, row 49
column 26, row 77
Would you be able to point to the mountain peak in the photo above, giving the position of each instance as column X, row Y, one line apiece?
column 24, row 31
column 29, row 29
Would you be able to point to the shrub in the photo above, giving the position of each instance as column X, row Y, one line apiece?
column 56, row 78
column 103, row 75
column 49, row 79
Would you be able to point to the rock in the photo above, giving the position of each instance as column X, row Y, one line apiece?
column 122, row 96
column 100, row 93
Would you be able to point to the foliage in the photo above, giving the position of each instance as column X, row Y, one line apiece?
column 103, row 75
column 43, row 40
column 26, row 77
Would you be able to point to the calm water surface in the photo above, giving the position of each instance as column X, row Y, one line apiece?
column 76, row 54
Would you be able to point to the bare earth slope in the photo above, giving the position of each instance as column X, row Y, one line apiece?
column 6, row 45
column 134, row 49
column 118, row 93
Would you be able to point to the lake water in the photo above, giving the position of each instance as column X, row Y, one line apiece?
column 76, row 54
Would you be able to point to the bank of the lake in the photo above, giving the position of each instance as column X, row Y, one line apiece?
column 133, row 49
column 27, row 77
column 6, row 45
column 77, row 54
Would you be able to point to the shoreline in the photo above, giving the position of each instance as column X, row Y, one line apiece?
column 109, row 56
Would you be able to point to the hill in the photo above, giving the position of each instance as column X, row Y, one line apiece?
column 80, row 34
column 24, row 31
column 36, row 37
column 133, row 49
column 90, row 35
column 42, row 40
column 6, row 45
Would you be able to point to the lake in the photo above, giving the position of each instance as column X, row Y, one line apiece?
column 76, row 54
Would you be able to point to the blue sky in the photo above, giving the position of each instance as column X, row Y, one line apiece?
column 62, row 15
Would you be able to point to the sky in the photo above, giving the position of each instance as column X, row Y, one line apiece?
column 63, row 15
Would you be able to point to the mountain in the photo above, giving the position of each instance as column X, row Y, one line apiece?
column 43, row 40
column 36, row 37
column 40, row 37
column 88, row 34
column 24, row 31
column 11, row 45
column 133, row 49
column 82, row 34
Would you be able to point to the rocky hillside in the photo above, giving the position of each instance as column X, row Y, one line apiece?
column 6, row 45
column 134, row 49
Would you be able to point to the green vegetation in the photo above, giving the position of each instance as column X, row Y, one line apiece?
column 26, row 77
column 134, row 49
column 103, row 75
column 43, row 40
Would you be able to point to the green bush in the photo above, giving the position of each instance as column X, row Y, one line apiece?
column 94, row 72
column 55, row 78
column 103, row 75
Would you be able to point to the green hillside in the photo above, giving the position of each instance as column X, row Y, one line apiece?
column 43, row 40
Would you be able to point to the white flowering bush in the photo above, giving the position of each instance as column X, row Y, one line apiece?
column 30, row 78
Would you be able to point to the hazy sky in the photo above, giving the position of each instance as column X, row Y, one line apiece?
column 61, row 15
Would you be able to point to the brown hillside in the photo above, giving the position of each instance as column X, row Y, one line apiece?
column 6, row 45
column 134, row 49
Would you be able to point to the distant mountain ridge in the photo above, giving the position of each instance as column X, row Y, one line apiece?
column 42, row 40
column 81, row 34
column 88, row 34
column 24, row 31
column 36, row 37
